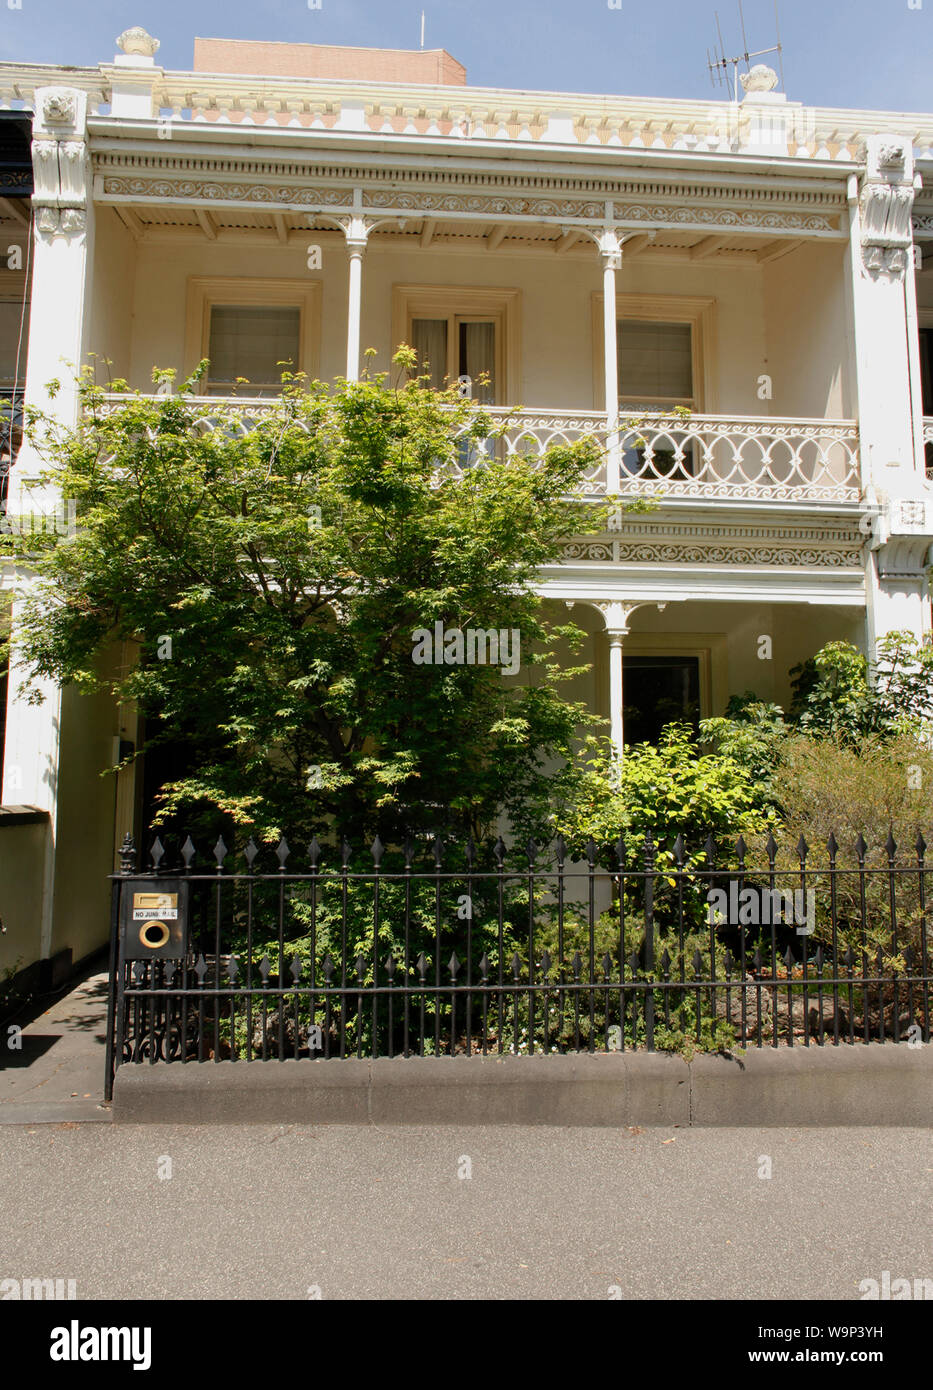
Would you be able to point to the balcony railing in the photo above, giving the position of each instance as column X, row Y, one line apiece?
column 928, row 444
column 697, row 456
column 704, row 456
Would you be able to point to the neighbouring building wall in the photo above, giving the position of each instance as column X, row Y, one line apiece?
column 111, row 325
column 808, row 334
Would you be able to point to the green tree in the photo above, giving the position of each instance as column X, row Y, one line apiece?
column 272, row 572
column 840, row 694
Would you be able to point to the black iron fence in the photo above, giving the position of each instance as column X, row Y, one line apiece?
column 434, row 949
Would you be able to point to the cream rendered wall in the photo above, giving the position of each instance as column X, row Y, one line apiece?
column 556, row 309
column 808, row 335
column 730, row 630
column 797, row 631
column 111, row 325
column 86, row 831
column 739, row 324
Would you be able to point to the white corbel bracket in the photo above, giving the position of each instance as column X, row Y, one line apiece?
column 886, row 204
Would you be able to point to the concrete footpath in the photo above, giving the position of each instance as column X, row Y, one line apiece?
column 58, row 1072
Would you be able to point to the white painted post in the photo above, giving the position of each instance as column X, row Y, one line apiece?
column 610, row 251
column 356, row 230
column 354, row 312
column 616, row 640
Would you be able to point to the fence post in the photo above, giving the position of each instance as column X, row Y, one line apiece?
column 649, row 940
column 127, row 865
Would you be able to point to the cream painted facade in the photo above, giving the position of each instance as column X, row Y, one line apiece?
column 792, row 503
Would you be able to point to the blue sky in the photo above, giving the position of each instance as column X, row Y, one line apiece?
column 861, row 53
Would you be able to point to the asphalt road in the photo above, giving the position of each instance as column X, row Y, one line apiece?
column 275, row 1211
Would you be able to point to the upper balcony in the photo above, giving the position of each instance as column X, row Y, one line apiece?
column 700, row 457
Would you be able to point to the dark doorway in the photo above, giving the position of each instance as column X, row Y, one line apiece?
column 657, row 691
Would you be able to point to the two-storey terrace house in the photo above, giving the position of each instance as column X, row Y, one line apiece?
column 763, row 264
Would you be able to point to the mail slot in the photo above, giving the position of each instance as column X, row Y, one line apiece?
column 154, row 919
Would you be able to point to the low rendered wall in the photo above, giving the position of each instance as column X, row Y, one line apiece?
column 852, row 1084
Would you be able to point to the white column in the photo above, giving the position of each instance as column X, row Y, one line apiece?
column 616, row 731
column 356, row 230
column 610, row 251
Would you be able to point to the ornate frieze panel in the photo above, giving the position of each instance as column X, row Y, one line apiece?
column 837, row 547
column 754, row 219
column 467, row 194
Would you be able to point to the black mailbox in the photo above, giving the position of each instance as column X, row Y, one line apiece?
column 154, row 918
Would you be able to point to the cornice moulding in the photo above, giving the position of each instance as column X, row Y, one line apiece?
column 447, row 148
column 314, row 158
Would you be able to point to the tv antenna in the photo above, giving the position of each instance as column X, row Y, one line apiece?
column 719, row 63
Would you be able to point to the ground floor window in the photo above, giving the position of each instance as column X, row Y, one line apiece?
column 656, row 691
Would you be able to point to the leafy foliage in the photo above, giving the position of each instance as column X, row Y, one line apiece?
column 271, row 572
column 839, row 694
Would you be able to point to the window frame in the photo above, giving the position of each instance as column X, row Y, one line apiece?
column 465, row 303
column 203, row 292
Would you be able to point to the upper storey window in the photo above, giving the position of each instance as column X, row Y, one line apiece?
column 655, row 364
column 254, row 341
column 462, row 331
column 251, row 330
column 457, row 347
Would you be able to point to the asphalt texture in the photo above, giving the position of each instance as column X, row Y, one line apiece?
column 271, row 1212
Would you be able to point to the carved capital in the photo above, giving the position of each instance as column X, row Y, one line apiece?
column 616, row 613
column 610, row 249
column 72, row 169
column 356, row 229
column 886, row 205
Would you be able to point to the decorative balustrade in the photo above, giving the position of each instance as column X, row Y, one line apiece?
column 662, row 455
column 740, row 456
column 476, row 113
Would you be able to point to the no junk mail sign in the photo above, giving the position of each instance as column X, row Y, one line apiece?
column 154, row 919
